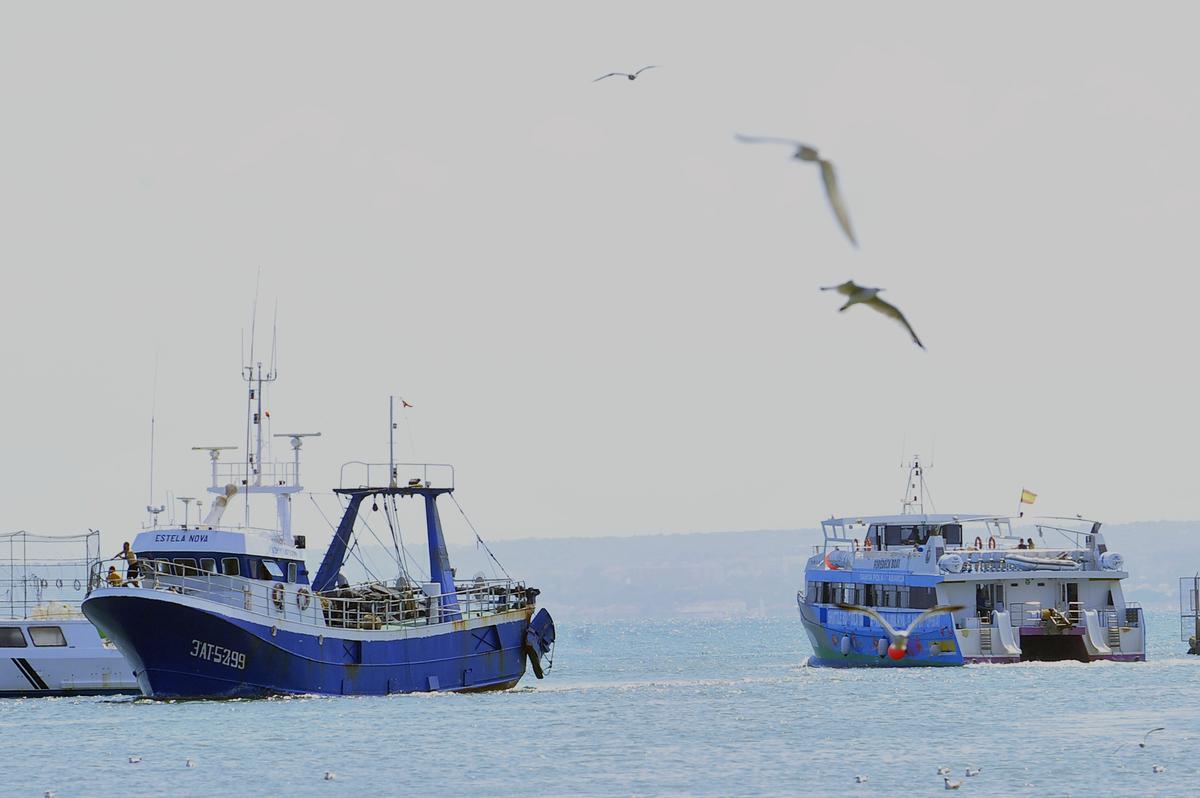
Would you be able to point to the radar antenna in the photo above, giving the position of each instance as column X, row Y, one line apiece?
column 297, row 441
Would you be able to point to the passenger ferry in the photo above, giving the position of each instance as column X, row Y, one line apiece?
column 217, row 609
column 1057, row 599
column 47, row 647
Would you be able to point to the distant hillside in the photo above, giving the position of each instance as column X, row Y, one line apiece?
column 721, row 574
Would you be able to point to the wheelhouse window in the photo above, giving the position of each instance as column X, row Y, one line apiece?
column 952, row 533
column 208, row 565
column 269, row 569
column 230, row 566
column 292, row 570
column 11, row 637
column 47, row 636
column 185, row 566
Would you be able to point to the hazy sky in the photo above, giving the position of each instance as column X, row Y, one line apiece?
column 605, row 310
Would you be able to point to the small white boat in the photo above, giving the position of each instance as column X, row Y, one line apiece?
column 47, row 647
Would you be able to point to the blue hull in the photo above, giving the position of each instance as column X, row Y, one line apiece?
column 179, row 651
column 934, row 649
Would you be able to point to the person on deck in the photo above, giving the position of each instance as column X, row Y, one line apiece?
column 133, row 571
column 114, row 578
column 1030, row 546
column 1021, row 545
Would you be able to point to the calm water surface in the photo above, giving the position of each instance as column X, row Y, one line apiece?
column 688, row 707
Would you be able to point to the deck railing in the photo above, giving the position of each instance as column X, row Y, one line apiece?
column 366, row 606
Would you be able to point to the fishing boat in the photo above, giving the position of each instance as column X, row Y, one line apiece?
column 47, row 646
column 220, row 609
column 1007, row 589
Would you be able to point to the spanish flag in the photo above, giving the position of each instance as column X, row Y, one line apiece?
column 1028, row 496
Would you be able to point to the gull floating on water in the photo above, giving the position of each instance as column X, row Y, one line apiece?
column 330, row 775
column 188, row 763
column 133, row 760
column 972, row 772
column 805, row 152
column 899, row 637
column 630, row 75
column 858, row 295
column 943, row 771
column 951, row 785
column 1158, row 769
column 861, row 779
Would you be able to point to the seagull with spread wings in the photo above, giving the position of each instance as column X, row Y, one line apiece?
column 858, row 295
column 805, row 152
column 899, row 637
column 630, row 75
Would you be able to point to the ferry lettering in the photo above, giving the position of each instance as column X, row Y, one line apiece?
column 197, row 538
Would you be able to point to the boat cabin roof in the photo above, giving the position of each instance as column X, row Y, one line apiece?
column 217, row 540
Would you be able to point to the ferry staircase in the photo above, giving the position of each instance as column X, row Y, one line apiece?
column 1114, row 637
column 985, row 638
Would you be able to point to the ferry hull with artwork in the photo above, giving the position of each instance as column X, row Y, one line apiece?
column 226, row 610
column 1042, row 589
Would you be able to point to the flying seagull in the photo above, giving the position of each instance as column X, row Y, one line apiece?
column 828, row 176
column 899, row 638
column 870, row 296
column 631, row 76
column 1146, row 736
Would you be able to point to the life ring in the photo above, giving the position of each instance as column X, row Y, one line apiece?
column 978, row 542
column 277, row 592
column 302, row 598
column 58, row 583
column 991, row 541
column 78, row 585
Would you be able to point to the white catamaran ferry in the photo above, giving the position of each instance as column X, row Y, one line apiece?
column 1008, row 590
column 47, row 647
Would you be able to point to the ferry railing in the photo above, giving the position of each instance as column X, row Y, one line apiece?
column 367, row 606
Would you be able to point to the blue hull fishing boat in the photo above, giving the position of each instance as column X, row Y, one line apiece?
column 217, row 610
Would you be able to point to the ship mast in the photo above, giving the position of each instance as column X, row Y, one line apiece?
column 915, row 490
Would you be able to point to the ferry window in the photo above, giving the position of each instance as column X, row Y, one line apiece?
column 208, row 565
column 922, row 598
column 164, row 567
column 869, row 599
column 291, row 572
column 47, row 636
column 186, row 566
column 229, row 566
column 271, row 569
column 952, row 533
column 891, row 535
column 11, row 637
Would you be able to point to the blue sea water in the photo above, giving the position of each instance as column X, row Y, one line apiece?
column 688, row 707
